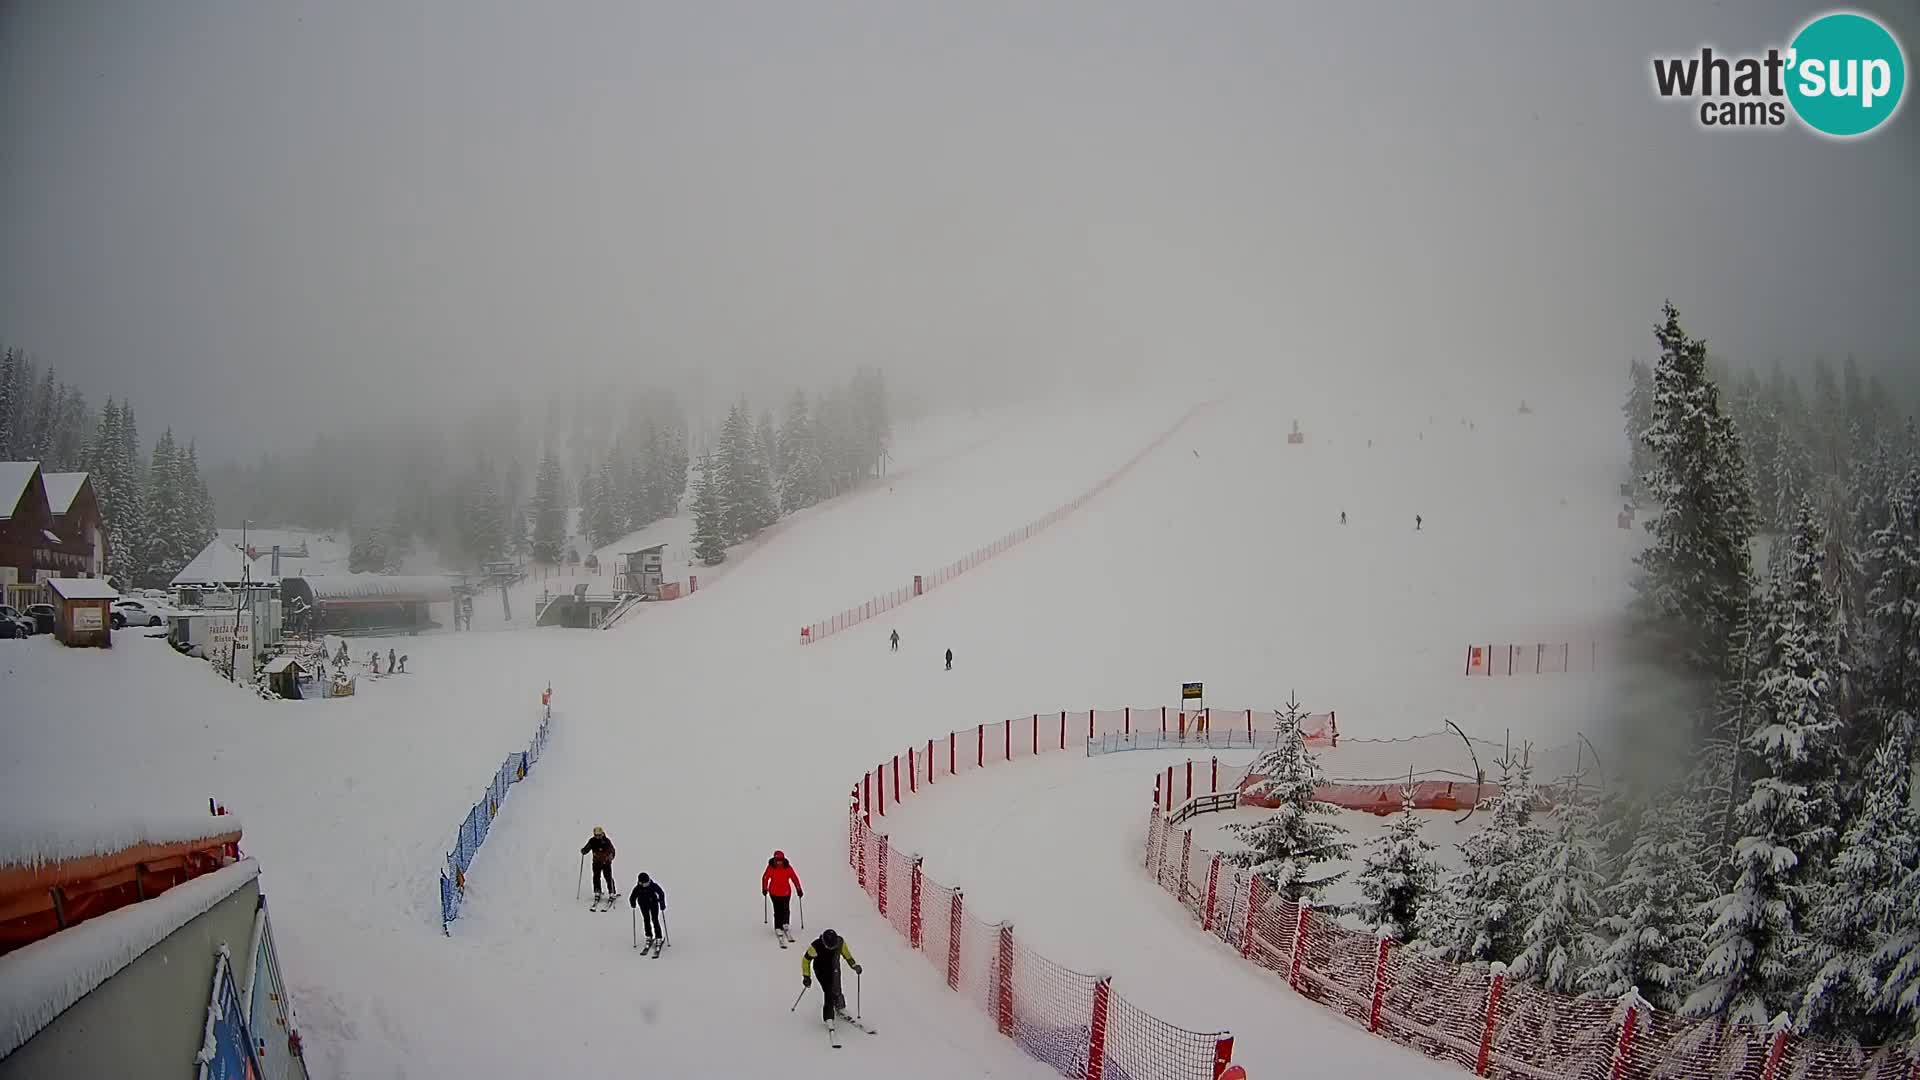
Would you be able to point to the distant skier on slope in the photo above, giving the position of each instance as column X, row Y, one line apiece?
column 1343, row 517
column 949, row 659
column 1416, row 523
column 651, row 899
column 601, row 849
column 895, row 638
column 822, row 958
column 780, row 883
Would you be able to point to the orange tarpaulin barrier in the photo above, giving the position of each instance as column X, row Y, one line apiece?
column 38, row 901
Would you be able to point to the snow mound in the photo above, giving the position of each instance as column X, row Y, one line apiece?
column 44, row 979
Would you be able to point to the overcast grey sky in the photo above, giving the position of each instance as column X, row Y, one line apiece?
column 294, row 210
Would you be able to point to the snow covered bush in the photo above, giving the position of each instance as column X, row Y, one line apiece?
column 1398, row 875
column 1285, row 846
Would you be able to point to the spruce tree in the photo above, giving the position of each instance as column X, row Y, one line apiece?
column 593, row 503
column 1563, row 898
column 1652, row 934
column 1483, row 915
column 800, row 475
column 368, row 553
column 1862, row 898
column 1755, row 959
column 709, row 544
column 45, row 413
column 549, row 512
column 1696, row 570
column 603, row 525
column 1397, row 875
column 10, row 395
column 1285, row 846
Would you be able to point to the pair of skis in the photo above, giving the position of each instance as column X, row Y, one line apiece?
column 603, row 903
column 833, row 1033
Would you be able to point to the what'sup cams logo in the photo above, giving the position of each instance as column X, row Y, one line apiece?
column 1842, row 75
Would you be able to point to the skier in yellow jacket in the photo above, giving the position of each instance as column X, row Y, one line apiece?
column 823, row 959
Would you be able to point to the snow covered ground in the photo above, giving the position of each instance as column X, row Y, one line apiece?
column 703, row 736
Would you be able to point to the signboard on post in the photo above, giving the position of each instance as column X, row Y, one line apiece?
column 1191, row 691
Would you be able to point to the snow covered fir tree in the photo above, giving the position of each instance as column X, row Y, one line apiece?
column 1397, row 875
column 1287, row 845
column 1481, row 912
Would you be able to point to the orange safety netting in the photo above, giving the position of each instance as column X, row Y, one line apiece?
column 1472, row 1015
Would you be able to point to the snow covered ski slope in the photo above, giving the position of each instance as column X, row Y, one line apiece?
column 703, row 736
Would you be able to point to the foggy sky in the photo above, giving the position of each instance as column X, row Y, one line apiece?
column 264, row 220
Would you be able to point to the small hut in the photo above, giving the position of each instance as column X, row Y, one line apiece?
column 283, row 674
column 82, row 611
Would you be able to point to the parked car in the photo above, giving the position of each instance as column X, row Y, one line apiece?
column 13, row 624
column 42, row 616
column 136, row 613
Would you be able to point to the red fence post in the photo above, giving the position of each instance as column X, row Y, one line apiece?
column 1006, row 731
column 1623, row 1046
column 931, row 768
column 1222, row 1056
column 866, row 792
column 1163, row 721
column 881, row 877
column 880, row 783
column 1249, row 727
column 1169, row 789
column 1127, row 723
column 1299, row 944
column 1063, row 729
column 1215, row 790
column 1380, row 984
column 914, row 936
column 1253, row 910
column 951, row 767
column 953, row 941
column 1213, row 892
column 980, row 751
column 913, row 773
column 1493, row 1013
column 1036, row 734
column 1189, row 779
column 896, row 778
column 1097, row 1031
column 1776, row 1049
column 1186, row 864
column 1004, row 996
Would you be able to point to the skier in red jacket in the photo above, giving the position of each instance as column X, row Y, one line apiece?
column 780, row 882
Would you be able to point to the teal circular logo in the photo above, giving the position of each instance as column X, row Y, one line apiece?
column 1845, row 74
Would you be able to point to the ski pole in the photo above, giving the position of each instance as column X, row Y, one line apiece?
column 764, row 917
column 803, row 911
column 633, row 918
column 580, row 878
column 796, row 1000
column 856, row 995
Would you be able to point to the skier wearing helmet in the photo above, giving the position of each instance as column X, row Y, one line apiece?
column 822, row 959
column 601, row 849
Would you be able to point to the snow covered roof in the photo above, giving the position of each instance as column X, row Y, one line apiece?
column 350, row 587
column 69, row 588
column 281, row 663
column 40, row 981
column 224, row 560
column 39, row 843
column 14, row 477
column 62, row 489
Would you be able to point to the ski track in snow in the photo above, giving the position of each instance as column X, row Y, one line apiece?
column 702, row 736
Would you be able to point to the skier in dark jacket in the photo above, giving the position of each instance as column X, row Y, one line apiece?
column 601, row 849
column 822, row 959
column 949, row 659
column 651, row 899
column 896, row 641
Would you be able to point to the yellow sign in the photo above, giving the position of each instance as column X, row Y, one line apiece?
column 1190, row 691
